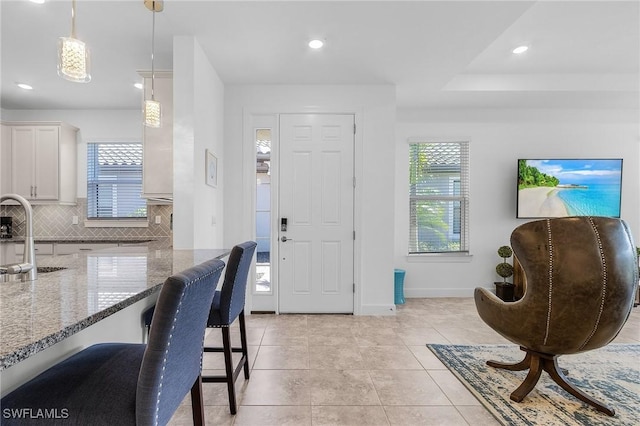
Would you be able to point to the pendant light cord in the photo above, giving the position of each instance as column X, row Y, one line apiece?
column 73, row 19
column 153, row 38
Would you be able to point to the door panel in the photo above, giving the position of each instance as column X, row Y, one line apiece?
column 302, row 182
column 23, row 160
column 331, row 178
column 302, row 266
column 46, row 170
column 316, row 198
column 331, row 261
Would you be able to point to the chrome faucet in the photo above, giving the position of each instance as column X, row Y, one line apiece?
column 27, row 269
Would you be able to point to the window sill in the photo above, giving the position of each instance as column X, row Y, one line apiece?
column 117, row 223
column 440, row 258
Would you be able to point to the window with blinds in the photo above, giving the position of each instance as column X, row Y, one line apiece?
column 114, row 181
column 438, row 197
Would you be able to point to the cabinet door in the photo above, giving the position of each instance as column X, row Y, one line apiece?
column 22, row 160
column 34, row 162
column 7, row 253
column 71, row 248
column 41, row 249
column 46, row 163
column 5, row 160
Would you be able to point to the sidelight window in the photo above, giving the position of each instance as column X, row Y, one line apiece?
column 263, row 210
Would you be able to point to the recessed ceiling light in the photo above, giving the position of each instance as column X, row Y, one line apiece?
column 38, row 1
column 316, row 44
column 138, row 86
column 520, row 49
column 24, row 86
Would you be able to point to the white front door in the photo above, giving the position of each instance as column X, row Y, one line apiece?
column 315, row 261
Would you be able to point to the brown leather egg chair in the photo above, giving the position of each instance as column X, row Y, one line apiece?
column 581, row 274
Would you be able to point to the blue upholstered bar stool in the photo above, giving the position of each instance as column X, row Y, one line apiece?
column 228, row 304
column 130, row 384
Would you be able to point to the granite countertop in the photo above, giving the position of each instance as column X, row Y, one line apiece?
column 36, row 315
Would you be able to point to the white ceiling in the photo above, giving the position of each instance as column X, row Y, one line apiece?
column 438, row 54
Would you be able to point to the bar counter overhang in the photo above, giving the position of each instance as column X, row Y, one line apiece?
column 99, row 296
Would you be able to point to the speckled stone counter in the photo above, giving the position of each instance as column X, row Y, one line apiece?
column 36, row 315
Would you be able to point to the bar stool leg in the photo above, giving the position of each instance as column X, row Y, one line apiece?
column 243, row 342
column 228, row 363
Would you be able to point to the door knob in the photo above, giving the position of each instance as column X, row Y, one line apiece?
column 285, row 239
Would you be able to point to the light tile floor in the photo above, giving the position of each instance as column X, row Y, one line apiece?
column 356, row 370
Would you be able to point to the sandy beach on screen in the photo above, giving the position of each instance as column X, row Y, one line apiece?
column 540, row 202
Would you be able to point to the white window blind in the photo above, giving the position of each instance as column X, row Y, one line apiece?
column 114, row 181
column 438, row 197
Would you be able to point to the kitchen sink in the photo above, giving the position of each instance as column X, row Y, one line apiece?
column 45, row 269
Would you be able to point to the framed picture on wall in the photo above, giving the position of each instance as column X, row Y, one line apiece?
column 211, row 169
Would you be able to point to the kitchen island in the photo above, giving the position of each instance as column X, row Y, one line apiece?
column 99, row 296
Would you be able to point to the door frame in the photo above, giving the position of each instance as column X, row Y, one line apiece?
column 253, row 118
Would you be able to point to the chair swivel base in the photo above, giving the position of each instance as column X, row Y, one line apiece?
column 536, row 363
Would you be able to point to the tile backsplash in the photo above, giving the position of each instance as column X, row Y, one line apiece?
column 55, row 221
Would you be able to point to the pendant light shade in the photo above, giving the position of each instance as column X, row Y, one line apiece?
column 73, row 55
column 152, row 109
column 152, row 113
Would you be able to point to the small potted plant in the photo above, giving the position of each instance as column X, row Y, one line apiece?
column 504, row 289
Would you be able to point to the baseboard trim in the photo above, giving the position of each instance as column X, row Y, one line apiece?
column 377, row 310
column 441, row 292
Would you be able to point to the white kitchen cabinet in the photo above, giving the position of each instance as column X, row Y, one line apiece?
column 8, row 253
column 41, row 249
column 71, row 248
column 5, row 159
column 157, row 160
column 59, row 249
column 34, row 170
column 43, row 162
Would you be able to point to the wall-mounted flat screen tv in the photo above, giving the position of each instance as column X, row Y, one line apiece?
column 569, row 187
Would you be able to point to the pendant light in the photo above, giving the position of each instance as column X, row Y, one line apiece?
column 152, row 110
column 73, row 55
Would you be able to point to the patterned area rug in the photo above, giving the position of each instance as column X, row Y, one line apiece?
column 610, row 374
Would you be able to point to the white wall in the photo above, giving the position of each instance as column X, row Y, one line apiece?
column 94, row 125
column 198, row 95
column 497, row 140
column 374, row 107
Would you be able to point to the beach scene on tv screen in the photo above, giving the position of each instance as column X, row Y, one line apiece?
column 559, row 188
